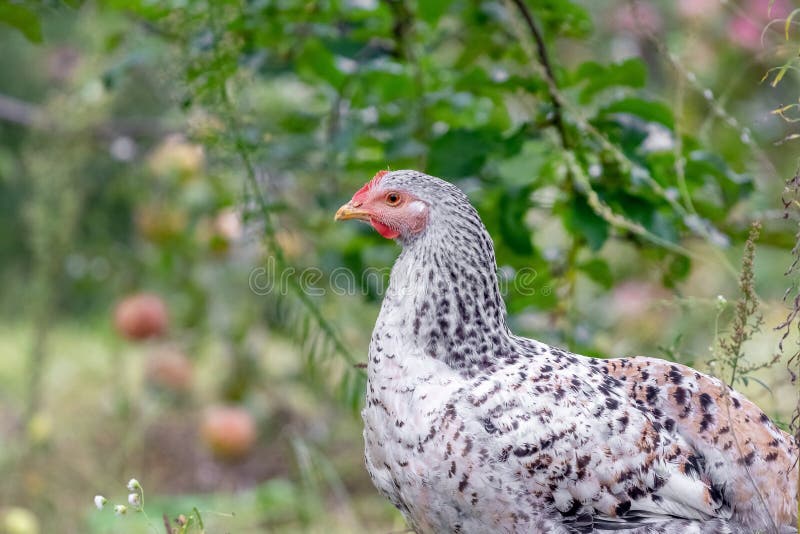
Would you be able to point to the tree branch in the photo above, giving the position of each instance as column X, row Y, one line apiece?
column 269, row 231
column 544, row 60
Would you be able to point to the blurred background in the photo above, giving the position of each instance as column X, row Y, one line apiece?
column 178, row 306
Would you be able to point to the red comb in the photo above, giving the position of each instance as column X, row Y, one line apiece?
column 372, row 183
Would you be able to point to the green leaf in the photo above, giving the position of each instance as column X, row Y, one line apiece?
column 788, row 23
column 662, row 222
column 385, row 84
column 458, row 153
column 580, row 219
column 649, row 110
column 146, row 9
column 431, row 10
column 597, row 77
column 317, row 62
column 563, row 18
column 512, row 209
column 703, row 167
column 23, row 19
column 524, row 168
column 199, row 517
column 598, row 271
column 678, row 268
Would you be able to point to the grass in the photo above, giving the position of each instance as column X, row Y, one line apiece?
column 103, row 424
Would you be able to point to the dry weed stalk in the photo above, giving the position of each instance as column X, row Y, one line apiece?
column 791, row 207
column 747, row 321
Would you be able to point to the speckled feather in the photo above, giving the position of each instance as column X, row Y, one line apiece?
column 469, row 428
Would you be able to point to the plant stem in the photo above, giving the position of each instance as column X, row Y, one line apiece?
column 36, row 360
column 550, row 77
column 269, row 232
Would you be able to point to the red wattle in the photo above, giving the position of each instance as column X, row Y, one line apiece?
column 385, row 231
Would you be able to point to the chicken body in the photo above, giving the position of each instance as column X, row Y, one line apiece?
column 469, row 428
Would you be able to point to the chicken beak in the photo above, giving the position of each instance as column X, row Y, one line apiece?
column 348, row 211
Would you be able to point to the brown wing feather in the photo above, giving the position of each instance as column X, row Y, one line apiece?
column 745, row 454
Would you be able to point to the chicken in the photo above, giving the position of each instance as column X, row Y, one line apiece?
column 470, row 428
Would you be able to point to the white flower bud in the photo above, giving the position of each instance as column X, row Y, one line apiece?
column 135, row 500
column 100, row 501
column 120, row 509
column 133, row 485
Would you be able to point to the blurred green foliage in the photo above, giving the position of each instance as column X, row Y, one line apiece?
column 333, row 91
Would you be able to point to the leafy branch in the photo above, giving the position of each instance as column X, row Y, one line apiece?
column 701, row 227
column 326, row 329
column 715, row 104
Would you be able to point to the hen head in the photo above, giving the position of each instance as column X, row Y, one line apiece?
column 394, row 203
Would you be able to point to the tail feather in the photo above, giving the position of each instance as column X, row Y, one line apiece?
column 671, row 526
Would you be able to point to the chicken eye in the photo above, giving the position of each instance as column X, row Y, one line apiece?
column 393, row 199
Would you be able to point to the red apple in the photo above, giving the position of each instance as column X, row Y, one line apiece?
column 141, row 316
column 229, row 431
column 169, row 368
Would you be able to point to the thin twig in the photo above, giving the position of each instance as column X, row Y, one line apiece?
column 677, row 148
column 626, row 163
column 269, row 231
column 550, row 77
column 715, row 104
